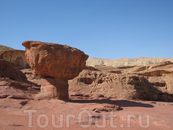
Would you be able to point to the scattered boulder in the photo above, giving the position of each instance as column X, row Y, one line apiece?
column 56, row 64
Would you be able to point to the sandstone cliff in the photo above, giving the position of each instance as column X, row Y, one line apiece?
column 126, row 61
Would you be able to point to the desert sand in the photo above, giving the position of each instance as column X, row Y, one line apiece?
column 78, row 114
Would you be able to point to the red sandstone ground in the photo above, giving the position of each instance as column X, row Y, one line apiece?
column 78, row 114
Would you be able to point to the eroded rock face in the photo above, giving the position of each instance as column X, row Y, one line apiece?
column 8, row 70
column 131, row 82
column 13, row 83
column 56, row 64
column 17, row 89
column 17, row 57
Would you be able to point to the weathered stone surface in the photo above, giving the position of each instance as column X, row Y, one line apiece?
column 56, row 64
column 160, row 64
column 53, row 88
column 13, row 83
column 137, row 82
column 31, row 76
column 55, row 60
column 16, row 89
column 8, row 70
column 17, row 57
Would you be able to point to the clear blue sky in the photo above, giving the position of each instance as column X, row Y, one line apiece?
column 109, row 29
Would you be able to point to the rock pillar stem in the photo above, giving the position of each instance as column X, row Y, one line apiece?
column 53, row 88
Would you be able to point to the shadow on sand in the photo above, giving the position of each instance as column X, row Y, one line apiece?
column 122, row 103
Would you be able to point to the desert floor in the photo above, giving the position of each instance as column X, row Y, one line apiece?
column 78, row 114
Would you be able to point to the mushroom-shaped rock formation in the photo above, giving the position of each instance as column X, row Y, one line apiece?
column 56, row 64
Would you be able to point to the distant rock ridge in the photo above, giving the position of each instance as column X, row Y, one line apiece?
column 5, row 48
column 126, row 61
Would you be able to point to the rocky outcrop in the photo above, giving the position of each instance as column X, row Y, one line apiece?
column 31, row 76
column 16, row 89
column 13, row 83
column 17, row 57
column 132, row 82
column 56, row 64
column 8, row 70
